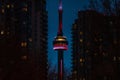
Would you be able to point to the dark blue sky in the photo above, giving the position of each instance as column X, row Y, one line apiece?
column 70, row 11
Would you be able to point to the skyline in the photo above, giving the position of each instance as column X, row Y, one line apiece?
column 34, row 35
column 68, row 19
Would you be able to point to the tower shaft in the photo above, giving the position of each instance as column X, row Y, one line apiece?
column 60, row 65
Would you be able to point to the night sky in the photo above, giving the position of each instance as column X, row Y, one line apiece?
column 70, row 12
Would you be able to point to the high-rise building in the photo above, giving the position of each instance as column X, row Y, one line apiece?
column 95, row 46
column 23, row 40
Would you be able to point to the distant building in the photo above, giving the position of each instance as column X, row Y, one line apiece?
column 23, row 40
column 95, row 46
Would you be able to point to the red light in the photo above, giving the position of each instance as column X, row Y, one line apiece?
column 60, row 46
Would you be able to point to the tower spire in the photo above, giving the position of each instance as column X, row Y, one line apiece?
column 60, row 4
column 60, row 18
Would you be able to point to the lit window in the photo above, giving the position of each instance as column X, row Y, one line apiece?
column 82, row 60
column 23, row 44
column 8, row 6
column 30, row 39
column 83, row 78
column 81, row 40
column 24, row 57
column 114, row 58
column 2, row 32
column 81, row 33
column 25, row 9
column 3, row 11
column 104, row 54
column 75, row 72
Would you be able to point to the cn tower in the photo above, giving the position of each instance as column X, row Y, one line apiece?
column 60, row 44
